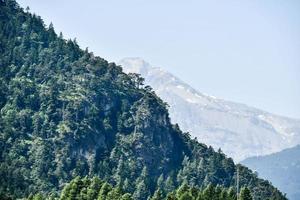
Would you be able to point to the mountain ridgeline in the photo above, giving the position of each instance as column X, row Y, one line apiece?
column 67, row 113
column 239, row 130
column 281, row 168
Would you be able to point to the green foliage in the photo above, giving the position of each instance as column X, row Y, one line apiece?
column 158, row 195
column 94, row 188
column 91, row 189
column 185, row 196
column 104, row 191
column 211, row 192
column 245, row 194
column 65, row 114
column 231, row 194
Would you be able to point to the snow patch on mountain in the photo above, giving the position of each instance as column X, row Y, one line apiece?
column 239, row 130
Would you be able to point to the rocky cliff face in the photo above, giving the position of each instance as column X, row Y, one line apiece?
column 239, row 130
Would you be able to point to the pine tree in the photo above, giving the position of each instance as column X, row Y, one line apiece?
column 185, row 196
column 182, row 189
column 169, row 184
column 157, row 195
column 218, row 191
column 231, row 195
column 105, row 189
column 119, row 174
column 160, row 182
column 38, row 197
column 72, row 190
column 194, row 191
column 209, row 192
column 171, row 196
column 126, row 196
column 224, row 194
column 127, row 186
column 114, row 194
column 245, row 194
column 94, row 188
column 142, row 191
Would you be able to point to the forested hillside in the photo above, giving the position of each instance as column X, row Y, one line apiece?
column 67, row 113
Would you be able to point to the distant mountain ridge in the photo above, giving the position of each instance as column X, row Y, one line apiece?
column 281, row 168
column 239, row 130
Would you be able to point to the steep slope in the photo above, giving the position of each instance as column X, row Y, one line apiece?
column 281, row 168
column 66, row 113
column 240, row 131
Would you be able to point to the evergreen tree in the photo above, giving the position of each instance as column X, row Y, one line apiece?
column 94, row 188
column 38, row 197
column 71, row 191
column 171, row 196
column 105, row 189
column 119, row 174
column 115, row 193
column 245, row 194
column 126, row 196
column 218, row 191
column 182, row 189
column 157, row 195
column 224, row 194
column 209, row 192
column 231, row 194
column 169, row 184
column 185, row 196
column 142, row 191
column 194, row 192
column 160, row 182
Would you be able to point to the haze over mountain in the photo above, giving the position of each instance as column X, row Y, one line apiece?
column 239, row 130
column 281, row 168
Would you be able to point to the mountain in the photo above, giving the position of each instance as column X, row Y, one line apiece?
column 281, row 168
column 65, row 112
column 239, row 130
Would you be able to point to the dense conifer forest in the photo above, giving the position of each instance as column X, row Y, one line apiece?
column 94, row 188
column 66, row 113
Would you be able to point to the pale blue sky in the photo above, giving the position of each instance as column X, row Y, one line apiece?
column 246, row 51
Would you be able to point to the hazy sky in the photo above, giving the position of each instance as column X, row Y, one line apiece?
column 244, row 51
